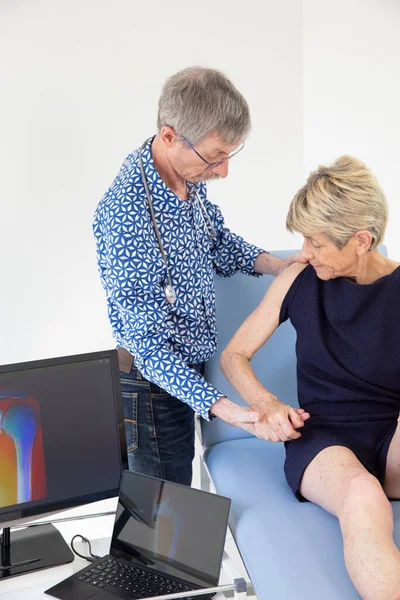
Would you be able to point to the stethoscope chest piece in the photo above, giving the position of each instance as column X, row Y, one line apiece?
column 170, row 294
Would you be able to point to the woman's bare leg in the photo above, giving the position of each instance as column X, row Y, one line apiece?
column 338, row 482
column 391, row 484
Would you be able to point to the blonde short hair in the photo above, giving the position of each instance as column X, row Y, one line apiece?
column 339, row 200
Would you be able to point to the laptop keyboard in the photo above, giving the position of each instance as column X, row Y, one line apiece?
column 127, row 580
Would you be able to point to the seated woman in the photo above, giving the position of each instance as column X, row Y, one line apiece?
column 345, row 307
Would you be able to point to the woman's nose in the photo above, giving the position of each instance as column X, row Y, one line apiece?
column 306, row 251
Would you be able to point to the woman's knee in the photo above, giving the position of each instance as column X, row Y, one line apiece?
column 359, row 489
column 337, row 481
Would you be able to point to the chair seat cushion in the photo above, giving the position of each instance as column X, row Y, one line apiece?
column 290, row 549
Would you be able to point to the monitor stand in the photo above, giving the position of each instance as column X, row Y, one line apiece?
column 32, row 549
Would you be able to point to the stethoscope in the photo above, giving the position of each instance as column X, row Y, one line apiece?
column 169, row 290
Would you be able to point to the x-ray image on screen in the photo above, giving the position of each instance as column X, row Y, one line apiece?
column 22, row 463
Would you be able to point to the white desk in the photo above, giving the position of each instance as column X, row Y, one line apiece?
column 98, row 530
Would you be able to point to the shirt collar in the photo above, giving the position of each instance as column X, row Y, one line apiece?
column 158, row 188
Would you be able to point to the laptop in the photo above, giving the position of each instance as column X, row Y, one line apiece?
column 167, row 538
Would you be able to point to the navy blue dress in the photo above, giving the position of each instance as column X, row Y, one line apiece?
column 348, row 368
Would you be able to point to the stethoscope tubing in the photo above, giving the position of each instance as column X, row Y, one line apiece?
column 169, row 289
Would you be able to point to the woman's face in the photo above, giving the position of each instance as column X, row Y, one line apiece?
column 328, row 260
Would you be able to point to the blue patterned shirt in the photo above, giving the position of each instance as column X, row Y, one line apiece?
column 164, row 338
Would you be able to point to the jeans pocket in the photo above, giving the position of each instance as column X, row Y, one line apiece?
column 130, row 402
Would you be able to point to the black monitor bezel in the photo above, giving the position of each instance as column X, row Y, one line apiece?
column 30, row 512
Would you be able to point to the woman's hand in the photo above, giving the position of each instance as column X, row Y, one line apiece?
column 279, row 422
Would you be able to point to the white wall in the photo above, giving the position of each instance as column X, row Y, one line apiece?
column 79, row 90
column 352, row 91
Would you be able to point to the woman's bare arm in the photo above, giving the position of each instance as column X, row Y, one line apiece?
column 250, row 337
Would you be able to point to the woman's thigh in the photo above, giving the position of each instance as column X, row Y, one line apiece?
column 326, row 479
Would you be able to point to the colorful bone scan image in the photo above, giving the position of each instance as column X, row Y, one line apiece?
column 22, row 465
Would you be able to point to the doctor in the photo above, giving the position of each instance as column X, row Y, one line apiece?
column 159, row 241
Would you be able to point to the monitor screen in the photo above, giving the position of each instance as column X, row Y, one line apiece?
column 62, row 439
column 172, row 528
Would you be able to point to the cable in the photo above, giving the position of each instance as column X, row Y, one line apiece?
column 90, row 558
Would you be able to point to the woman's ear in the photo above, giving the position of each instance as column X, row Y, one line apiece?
column 363, row 241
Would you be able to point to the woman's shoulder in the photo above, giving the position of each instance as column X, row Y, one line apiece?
column 282, row 284
column 395, row 272
column 287, row 285
column 290, row 275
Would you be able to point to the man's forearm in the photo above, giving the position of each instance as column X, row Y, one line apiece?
column 268, row 264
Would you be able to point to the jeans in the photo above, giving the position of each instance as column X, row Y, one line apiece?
column 159, row 429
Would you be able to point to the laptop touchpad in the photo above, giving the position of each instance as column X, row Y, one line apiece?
column 103, row 596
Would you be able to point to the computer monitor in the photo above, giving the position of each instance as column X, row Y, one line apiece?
column 62, row 444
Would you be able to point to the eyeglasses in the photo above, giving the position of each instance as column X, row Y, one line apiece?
column 212, row 165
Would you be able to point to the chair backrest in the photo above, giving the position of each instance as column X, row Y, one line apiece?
column 274, row 364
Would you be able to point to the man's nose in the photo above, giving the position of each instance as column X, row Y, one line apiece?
column 222, row 169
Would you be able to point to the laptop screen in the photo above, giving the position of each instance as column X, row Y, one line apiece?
column 171, row 528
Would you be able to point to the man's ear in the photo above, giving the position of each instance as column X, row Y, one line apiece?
column 168, row 135
column 363, row 240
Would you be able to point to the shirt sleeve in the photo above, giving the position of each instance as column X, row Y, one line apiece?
column 230, row 252
column 132, row 274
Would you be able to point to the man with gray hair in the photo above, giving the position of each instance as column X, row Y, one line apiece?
column 159, row 241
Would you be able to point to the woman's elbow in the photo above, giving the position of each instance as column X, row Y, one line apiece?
column 224, row 359
column 229, row 358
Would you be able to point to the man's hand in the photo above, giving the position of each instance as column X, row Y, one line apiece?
column 240, row 416
column 272, row 265
column 286, row 262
